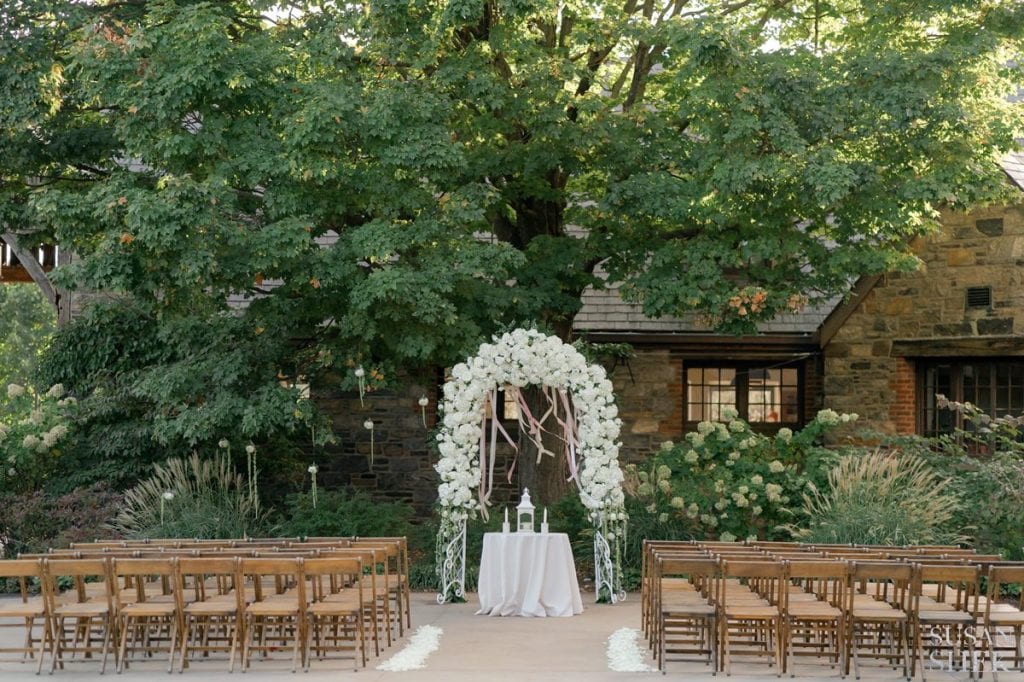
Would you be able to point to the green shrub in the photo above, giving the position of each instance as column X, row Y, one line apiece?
column 36, row 521
column 34, row 432
column 344, row 513
column 194, row 497
column 725, row 481
column 882, row 498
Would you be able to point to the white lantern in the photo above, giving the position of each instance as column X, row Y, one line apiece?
column 523, row 512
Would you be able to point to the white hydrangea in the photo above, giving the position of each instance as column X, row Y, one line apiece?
column 15, row 391
column 785, row 435
column 776, row 467
column 691, row 457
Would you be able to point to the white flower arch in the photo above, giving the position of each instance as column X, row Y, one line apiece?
column 580, row 400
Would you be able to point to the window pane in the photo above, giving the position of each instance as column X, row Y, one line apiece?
column 995, row 387
column 708, row 391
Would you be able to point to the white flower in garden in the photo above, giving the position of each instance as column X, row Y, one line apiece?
column 721, row 504
column 312, row 469
column 35, row 417
column 846, row 418
column 56, row 391
column 667, row 445
column 692, row 510
column 423, row 402
column 664, row 486
column 691, row 457
column 756, row 510
column 733, row 456
column 785, row 435
column 168, row 495
column 729, row 413
column 743, row 490
column 773, row 491
column 776, row 467
column 663, row 518
column 704, row 428
column 15, row 391
column 360, row 372
column 250, row 449
column 224, row 443
column 727, row 537
column 719, row 485
column 739, row 500
column 721, row 431
column 757, row 479
column 30, row 442
column 677, row 503
column 736, row 426
column 368, row 424
column 828, row 417
column 664, row 471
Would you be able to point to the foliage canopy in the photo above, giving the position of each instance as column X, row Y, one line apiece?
column 385, row 182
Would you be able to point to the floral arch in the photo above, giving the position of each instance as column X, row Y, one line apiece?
column 580, row 401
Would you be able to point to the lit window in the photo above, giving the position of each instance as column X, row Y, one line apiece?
column 761, row 395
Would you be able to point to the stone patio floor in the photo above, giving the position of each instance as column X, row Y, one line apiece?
column 478, row 648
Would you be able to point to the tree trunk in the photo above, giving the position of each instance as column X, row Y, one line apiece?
column 545, row 479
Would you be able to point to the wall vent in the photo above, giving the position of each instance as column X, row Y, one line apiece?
column 979, row 297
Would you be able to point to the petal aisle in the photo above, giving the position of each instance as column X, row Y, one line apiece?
column 625, row 654
column 424, row 642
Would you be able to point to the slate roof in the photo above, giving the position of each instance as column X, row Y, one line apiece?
column 605, row 311
column 1013, row 164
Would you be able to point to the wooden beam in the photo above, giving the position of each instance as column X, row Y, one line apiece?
column 32, row 267
column 838, row 317
column 977, row 346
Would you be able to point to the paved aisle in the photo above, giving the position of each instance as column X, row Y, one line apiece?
column 476, row 649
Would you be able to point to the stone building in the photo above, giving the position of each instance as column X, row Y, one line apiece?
column 955, row 326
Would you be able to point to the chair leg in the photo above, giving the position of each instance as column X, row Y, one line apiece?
column 107, row 636
column 174, row 640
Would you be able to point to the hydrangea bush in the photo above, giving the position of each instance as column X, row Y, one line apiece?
column 33, row 432
column 725, row 481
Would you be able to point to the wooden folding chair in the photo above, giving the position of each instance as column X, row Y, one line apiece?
column 879, row 612
column 686, row 603
column 26, row 613
column 1001, row 618
column 211, row 599
column 750, row 616
column 946, row 615
column 335, row 615
column 276, row 615
column 814, row 621
column 146, row 622
column 78, row 620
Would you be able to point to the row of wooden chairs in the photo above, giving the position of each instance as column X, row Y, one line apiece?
column 716, row 601
column 146, row 599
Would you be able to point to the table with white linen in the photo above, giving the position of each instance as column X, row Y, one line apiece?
column 528, row 574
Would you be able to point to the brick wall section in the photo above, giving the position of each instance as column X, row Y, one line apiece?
column 903, row 385
column 971, row 249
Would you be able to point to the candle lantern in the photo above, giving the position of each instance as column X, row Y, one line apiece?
column 524, row 513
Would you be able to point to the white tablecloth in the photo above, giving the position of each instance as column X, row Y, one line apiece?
column 528, row 574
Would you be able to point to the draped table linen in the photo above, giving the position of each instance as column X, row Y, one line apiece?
column 528, row 574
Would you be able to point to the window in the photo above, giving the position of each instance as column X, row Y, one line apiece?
column 761, row 395
column 508, row 406
column 996, row 387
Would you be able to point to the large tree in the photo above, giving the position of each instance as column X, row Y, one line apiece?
column 413, row 174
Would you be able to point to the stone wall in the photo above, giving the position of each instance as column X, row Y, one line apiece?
column 864, row 373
